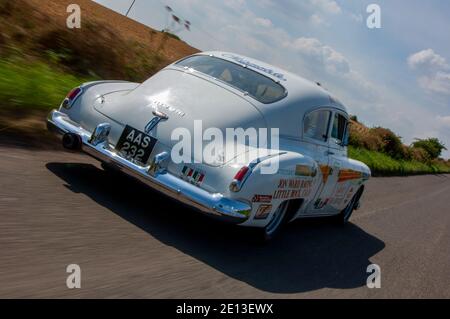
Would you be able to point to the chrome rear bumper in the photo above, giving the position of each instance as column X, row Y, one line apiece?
column 209, row 203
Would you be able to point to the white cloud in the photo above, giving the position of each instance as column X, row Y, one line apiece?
column 433, row 71
column 327, row 6
column 444, row 121
column 317, row 20
column 436, row 83
column 234, row 4
column 333, row 61
column 427, row 58
column 262, row 22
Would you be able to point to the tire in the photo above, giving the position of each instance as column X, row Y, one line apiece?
column 344, row 216
column 278, row 220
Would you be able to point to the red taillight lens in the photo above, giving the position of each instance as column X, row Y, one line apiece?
column 241, row 174
column 70, row 98
column 73, row 94
column 239, row 179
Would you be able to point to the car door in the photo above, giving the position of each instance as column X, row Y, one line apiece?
column 316, row 131
column 338, row 161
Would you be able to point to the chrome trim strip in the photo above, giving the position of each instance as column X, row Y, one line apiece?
column 209, row 203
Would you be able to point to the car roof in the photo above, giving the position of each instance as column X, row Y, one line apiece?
column 298, row 87
column 303, row 96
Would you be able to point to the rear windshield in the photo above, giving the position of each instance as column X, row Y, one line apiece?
column 258, row 86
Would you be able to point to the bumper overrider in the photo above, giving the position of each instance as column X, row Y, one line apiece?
column 96, row 145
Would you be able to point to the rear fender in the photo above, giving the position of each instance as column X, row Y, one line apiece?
column 295, row 179
column 82, row 111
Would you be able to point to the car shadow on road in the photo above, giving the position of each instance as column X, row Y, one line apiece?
column 309, row 255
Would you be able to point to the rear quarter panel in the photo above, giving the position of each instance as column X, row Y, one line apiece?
column 83, row 112
column 296, row 178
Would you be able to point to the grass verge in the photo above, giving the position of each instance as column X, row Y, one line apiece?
column 384, row 165
column 34, row 84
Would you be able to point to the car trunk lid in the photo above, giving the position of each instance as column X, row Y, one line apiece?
column 185, row 99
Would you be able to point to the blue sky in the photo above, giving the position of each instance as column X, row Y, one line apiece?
column 397, row 76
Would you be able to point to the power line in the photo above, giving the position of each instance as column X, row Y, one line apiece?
column 129, row 9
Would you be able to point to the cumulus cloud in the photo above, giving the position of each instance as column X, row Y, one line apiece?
column 317, row 20
column 434, row 75
column 444, row 121
column 234, row 4
column 262, row 22
column 437, row 83
column 333, row 61
column 327, row 6
column 429, row 59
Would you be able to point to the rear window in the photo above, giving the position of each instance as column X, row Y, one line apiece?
column 258, row 86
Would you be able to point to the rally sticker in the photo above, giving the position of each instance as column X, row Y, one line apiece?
column 293, row 188
column 262, row 198
column 263, row 211
column 192, row 176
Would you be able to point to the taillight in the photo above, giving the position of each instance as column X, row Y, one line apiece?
column 74, row 93
column 241, row 174
column 239, row 179
column 71, row 97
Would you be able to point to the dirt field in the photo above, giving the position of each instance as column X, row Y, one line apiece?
column 125, row 27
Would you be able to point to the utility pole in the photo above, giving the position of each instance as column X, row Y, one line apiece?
column 129, row 9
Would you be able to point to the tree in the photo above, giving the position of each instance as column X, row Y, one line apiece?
column 432, row 146
column 354, row 118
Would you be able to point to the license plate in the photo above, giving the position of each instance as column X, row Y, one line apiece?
column 136, row 145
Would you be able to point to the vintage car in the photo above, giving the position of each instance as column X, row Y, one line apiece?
column 130, row 126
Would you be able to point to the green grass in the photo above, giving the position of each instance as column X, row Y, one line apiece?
column 384, row 165
column 34, row 84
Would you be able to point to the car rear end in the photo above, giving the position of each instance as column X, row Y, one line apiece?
column 131, row 127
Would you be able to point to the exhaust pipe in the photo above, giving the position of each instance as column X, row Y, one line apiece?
column 72, row 141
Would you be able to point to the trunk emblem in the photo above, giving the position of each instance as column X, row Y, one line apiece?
column 159, row 116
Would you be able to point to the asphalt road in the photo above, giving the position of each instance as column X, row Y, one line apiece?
column 58, row 208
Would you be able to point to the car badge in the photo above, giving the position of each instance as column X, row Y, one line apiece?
column 159, row 116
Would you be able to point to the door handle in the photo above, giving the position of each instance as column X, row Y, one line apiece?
column 330, row 153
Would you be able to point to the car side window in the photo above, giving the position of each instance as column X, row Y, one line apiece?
column 339, row 128
column 316, row 125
